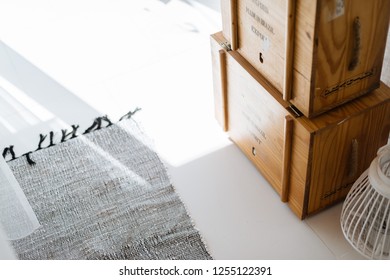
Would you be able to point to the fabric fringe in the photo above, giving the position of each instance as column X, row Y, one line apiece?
column 98, row 123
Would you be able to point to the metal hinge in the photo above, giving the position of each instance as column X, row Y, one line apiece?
column 295, row 111
column 226, row 46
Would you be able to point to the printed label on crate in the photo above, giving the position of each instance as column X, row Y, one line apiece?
column 347, row 83
column 257, row 133
column 259, row 14
column 259, row 19
column 266, row 42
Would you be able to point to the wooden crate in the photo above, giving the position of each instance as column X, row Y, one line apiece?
column 311, row 163
column 318, row 53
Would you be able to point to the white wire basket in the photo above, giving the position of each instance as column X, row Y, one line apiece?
column 365, row 219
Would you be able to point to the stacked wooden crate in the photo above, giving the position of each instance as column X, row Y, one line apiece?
column 297, row 87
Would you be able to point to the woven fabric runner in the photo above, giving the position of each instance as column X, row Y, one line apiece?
column 104, row 195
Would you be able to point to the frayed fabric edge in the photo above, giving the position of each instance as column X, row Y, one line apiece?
column 9, row 154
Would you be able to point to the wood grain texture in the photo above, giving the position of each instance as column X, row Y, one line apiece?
column 304, row 54
column 289, row 50
column 261, row 36
column 327, row 153
column 234, row 23
column 300, row 169
column 326, row 41
column 217, row 84
column 227, row 19
column 336, row 47
column 255, row 124
column 340, row 165
column 224, row 97
column 288, row 131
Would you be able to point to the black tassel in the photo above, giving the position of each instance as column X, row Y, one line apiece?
column 51, row 139
column 41, row 139
column 130, row 114
column 73, row 133
column 105, row 118
column 97, row 124
column 9, row 150
column 29, row 160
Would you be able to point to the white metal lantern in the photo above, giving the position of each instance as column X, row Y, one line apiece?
column 365, row 219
